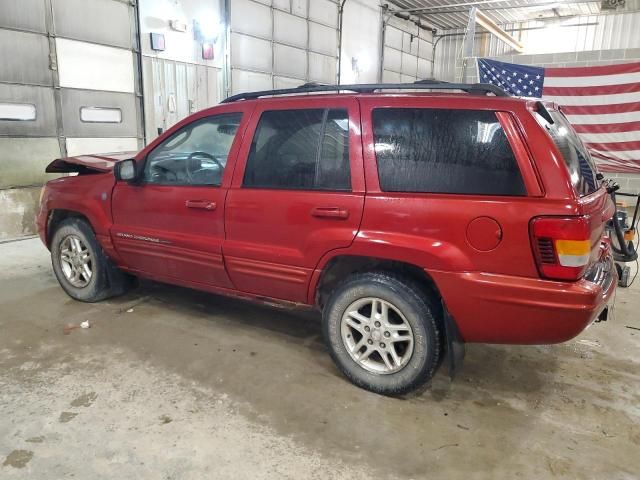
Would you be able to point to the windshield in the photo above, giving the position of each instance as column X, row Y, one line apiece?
column 581, row 166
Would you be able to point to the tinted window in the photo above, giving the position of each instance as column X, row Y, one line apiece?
column 444, row 151
column 196, row 154
column 300, row 149
column 582, row 169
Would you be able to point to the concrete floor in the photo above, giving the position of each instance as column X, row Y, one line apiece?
column 174, row 384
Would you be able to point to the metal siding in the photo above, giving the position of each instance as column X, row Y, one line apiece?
column 100, row 21
column 73, row 100
column 42, row 97
column 23, row 15
column 24, row 58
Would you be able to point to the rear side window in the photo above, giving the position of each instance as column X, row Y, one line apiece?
column 300, row 150
column 582, row 169
column 444, row 151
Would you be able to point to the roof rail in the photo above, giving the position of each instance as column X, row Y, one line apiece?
column 472, row 88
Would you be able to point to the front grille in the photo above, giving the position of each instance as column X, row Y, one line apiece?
column 546, row 250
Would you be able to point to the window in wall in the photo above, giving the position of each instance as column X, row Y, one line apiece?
column 444, row 151
column 300, row 150
column 17, row 111
column 194, row 155
column 100, row 115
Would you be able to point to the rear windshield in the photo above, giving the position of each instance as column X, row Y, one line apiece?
column 582, row 169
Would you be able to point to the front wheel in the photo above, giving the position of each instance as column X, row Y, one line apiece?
column 81, row 267
column 382, row 333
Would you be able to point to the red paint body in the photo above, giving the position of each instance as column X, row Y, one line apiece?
column 276, row 243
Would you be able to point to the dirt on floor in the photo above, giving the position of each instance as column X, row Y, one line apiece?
column 168, row 383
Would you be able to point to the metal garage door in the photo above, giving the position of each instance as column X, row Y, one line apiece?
column 67, row 83
column 283, row 43
column 408, row 52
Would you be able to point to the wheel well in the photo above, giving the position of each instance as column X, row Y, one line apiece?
column 340, row 267
column 56, row 217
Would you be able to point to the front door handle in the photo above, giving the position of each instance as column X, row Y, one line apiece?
column 330, row 212
column 203, row 204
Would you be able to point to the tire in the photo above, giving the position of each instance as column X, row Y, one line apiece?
column 105, row 279
column 418, row 350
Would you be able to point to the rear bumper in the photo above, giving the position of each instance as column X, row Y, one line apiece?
column 491, row 308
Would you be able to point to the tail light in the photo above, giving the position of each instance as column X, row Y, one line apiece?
column 562, row 246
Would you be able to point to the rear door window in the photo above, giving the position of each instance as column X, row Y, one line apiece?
column 582, row 169
column 444, row 151
column 300, row 150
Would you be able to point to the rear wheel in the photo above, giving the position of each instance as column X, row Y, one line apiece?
column 81, row 267
column 382, row 333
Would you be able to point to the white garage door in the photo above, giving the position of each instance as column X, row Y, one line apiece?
column 408, row 52
column 282, row 43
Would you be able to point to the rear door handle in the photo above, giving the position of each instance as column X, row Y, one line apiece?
column 203, row 204
column 330, row 212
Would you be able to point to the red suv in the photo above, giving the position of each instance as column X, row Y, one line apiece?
column 414, row 221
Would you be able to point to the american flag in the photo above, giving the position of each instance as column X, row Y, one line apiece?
column 602, row 103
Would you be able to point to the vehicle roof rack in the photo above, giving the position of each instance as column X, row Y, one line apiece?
column 472, row 88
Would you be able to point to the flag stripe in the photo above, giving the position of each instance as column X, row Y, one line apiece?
column 591, row 80
column 592, row 71
column 607, row 127
column 614, row 99
column 603, row 119
column 593, row 89
column 610, row 137
column 615, row 146
column 622, row 155
column 601, row 109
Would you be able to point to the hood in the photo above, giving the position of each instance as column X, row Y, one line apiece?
column 100, row 162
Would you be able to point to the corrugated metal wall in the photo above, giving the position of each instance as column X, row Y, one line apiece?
column 589, row 33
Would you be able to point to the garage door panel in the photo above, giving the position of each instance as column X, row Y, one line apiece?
column 409, row 64
column 23, row 160
column 245, row 81
column 286, row 82
column 392, row 59
column 86, row 65
column 250, row 17
column 393, row 37
column 324, row 11
column 390, row 77
column 91, row 114
column 88, row 146
column 23, row 14
column 290, row 61
column 251, row 53
column 25, row 58
column 299, row 7
column 322, row 68
column 425, row 49
column 290, row 29
column 77, row 19
column 322, row 39
column 424, row 68
column 41, row 98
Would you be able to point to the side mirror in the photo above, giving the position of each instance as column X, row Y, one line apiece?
column 126, row 170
